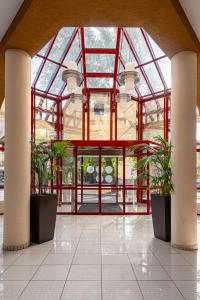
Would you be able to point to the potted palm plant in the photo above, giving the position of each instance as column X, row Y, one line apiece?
column 43, row 204
column 155, row 165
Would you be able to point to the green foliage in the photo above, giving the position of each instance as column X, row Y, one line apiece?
column 158, row 157
column 41, row 157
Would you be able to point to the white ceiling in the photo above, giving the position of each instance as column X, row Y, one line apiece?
column 192, row 10
column 9, row 8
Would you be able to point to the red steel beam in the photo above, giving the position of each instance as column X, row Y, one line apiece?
column 100, row 51
column 100, row 75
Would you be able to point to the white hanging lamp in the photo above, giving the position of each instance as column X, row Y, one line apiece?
column 78, row 99
column 129, row 77
column 127, row 80
column 72, row 76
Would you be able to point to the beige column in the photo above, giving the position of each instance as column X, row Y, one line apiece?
column 17, row 149
column 183, row 130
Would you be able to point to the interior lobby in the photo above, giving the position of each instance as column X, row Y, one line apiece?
column 99, row 150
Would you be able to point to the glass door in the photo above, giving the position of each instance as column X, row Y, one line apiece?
column 88, row 181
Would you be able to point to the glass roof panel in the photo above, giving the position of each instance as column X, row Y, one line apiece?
column 156, row 49
column 74, row 51
column 100, row 37
column 142, row 86
column 99, row 82
column 126, row 52
column 165, row 66
column 58, row 83
column 35, row 64
column 154, row 77
column 46, row 75
column 43, row 51
column 60, row 43
column 139, row 44
column 100, row 62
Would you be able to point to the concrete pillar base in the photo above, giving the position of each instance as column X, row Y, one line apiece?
column 185, row 247
column 15, row 247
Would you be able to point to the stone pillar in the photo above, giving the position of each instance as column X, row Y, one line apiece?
column 17, row 149
column 183, row 131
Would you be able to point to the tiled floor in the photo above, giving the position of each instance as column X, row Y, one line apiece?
column 100, row 257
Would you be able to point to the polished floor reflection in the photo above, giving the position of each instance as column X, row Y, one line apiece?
column 100, row 257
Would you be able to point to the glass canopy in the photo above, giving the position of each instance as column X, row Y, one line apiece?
column 101, row 53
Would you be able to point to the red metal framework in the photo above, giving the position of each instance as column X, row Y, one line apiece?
column 50, row 106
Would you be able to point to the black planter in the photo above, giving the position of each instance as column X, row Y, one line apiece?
column 43, row 217
column 161, row 215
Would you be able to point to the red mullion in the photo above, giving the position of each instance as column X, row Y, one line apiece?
column 151, row 61
column 100, row 75
column 74, row 34
column 40, row 93
column 100, row 90
column 99, row 188
column 124, row 180
column 44, row 61
column 51, row 60
column 138, row 61
column 166, row 118
column 100, row 51
column 76, row 178
column 83, row 59
column 59, row 119
column 156, row 97
column 111, row 116
column 88, row 117
column 153, row 56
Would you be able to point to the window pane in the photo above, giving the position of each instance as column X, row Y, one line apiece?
column 72, row 120
column 156, row 49
column 126, row 121
column 126, row 52
column 74, row 51
column 35, row 64
column 100, row 37
column 60, row 43
column 139, row 44
column 142, row 86
column 46, row 75
column 154, row 77
column 58, row 83
column 99, row 116
column 100, row 62
column 44, row 49
column 165, row 66
column 99, row 82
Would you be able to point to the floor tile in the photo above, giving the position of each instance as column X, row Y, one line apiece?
column 7, row 258
column 85, row 272
column 113, row 248
column 183, row 272
column 63, row 247
column 126, row 290
column 189, row 289
column 87, row 259
column 192, row 258
column 82, row 290
column 43, row 290
column 117, row 272
column 58, row 259
column 11, row 290
column 119, row 259
column 171, row 259
column 30, row 259
column 144, row 259
column 52, row 272
column 19, row 273
column 150, row 273
column 157, row 290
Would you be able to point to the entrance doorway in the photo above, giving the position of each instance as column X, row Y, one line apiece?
column 102, row 180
